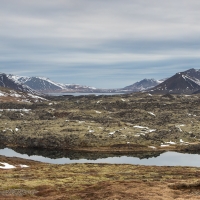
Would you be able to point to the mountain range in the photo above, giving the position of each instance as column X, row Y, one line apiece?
column 45, row 85
column 186, row 82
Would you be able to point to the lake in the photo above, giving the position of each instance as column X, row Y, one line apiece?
column 67, row 157
column 80, row 94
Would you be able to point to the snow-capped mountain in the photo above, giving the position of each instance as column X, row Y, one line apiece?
column 186, row 82
column 142, row 85
column 11, row 82
column 45, row 85
column 40, row 84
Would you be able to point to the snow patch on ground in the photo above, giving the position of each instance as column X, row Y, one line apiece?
column 6, row 166
column 170, row 142
column 152, row 147
column 98, row 112
column 164, row 145
column 2, row 94
column 15, row 110
column 23, row 166
column 151, row 113
column 144, row 131
column 141, row 127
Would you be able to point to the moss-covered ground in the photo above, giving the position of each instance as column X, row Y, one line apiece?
column 97, row 181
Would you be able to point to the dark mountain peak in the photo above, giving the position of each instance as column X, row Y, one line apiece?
column 183, row 82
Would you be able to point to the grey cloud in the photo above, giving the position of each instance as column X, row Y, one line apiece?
column 122, row 40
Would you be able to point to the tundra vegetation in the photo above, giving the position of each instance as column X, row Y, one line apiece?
column 128, row 123
column 131, row 122
column 97, row 181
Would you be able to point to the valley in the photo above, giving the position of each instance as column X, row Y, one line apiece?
column 142, row 124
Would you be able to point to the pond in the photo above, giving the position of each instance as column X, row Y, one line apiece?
column 139, row 158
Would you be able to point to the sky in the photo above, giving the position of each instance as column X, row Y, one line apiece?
column 99, row 43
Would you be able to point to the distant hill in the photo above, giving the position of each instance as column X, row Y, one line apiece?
column 142, row 85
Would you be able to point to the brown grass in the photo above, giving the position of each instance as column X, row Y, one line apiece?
column 98, row 181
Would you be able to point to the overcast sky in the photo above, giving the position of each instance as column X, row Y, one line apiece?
column 100, row 43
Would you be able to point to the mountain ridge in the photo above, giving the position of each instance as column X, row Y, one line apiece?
column 186, row 82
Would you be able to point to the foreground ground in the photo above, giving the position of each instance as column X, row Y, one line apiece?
column 97, row 181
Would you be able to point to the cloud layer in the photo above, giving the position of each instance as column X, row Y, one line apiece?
column 103, row 43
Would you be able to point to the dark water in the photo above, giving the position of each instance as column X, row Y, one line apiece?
column 64, row 157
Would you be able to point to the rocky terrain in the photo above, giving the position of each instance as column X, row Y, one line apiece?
column 131, row 122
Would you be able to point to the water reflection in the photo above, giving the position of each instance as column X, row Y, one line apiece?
column 77, row 155
column 63, row 157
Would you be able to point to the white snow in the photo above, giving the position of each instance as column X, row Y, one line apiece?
column 36, row 97
column 170, row 142
column 140, row 127
column 151, row 130
column 97, row 111
column 80, row 122
column 6, row 166
column 16, row 129
column 152, row 147
column 91, row 131
column 111, row 133
column 2, row 94
column 13, row 110
column 151, row 113
column 16, row 95
column 181, row 140
column 123, row 99
column 23, row 166
column 164, row 145
column 136, row 135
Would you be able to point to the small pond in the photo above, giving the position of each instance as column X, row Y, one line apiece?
column 139, row 158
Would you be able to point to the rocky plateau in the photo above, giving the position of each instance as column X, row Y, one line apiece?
column 128, row 122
